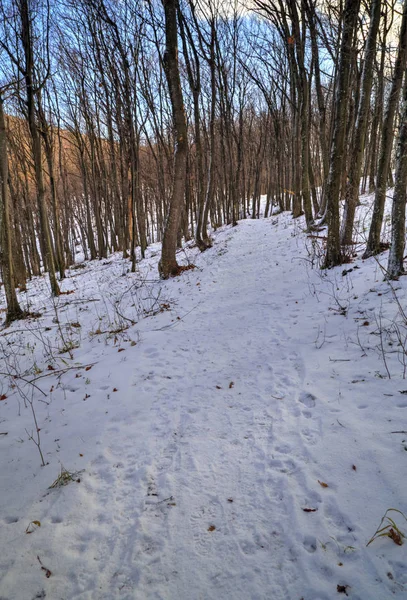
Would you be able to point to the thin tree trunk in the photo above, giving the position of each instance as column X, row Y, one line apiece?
column 49, row 154
column 13, row 308
column 398, row 217
column 210, row 189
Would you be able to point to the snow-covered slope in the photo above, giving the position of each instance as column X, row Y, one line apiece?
column 236, row 443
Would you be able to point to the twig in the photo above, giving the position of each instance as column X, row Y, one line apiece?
column 177, row 322
column 402, row 431
column 165, row 500
column 37, row 441
column 382, row 345
column 339, row 359
column 59, row 372
column 20, row 330
column 25, row 381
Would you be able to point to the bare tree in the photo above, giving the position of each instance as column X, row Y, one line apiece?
column 333, row 251
column 374, row 242
column 23, row 59
column 398, row 217
column 352, row 191
column 168, row 263
column 6, row 230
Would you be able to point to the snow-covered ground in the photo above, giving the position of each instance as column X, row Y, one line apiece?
column 230, row 433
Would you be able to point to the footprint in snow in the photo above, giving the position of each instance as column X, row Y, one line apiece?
column 10, row 520
column 307, row 399
column 310, row 543
column 201, row 524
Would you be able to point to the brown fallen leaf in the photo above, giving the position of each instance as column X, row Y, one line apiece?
column 342, row 589
column 47, row 571
column 88, row 368
column 115, row 389
column 323, row 484
column 120, row 350
column 230, row 499
column 310, row 509
column 354, row 467
column 395, row 536
column 3, row 397
column 211, row 528
column 218, row 387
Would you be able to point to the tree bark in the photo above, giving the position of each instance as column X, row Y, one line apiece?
column 26, row 37
column 49, row 154
column 352, row 190
column 373, row 244
column 13, row 308
column 398, row 217
column 210, row 188
column 333, row 255
column 168, row 263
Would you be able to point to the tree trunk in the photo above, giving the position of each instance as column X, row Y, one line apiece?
column 310, row 10
column 352, row 190
column 210, row 190
column 373, row 244
column 26, row 38
column 398, row 217
column 168, row 263
column 49, row 154
column 13, row 308
column 304, row 109
column 333, row 255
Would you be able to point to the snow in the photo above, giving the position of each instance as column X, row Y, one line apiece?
column 199, row 417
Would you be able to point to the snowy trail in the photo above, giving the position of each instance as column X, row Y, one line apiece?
column 232, row 458
column 226, row 457
column 200, row 467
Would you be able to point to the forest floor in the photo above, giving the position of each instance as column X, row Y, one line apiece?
column 235, row 433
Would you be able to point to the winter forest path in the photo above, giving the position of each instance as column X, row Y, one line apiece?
column 220, row 445
column 205, row 478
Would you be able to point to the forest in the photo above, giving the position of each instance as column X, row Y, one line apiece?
column 125, row 123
